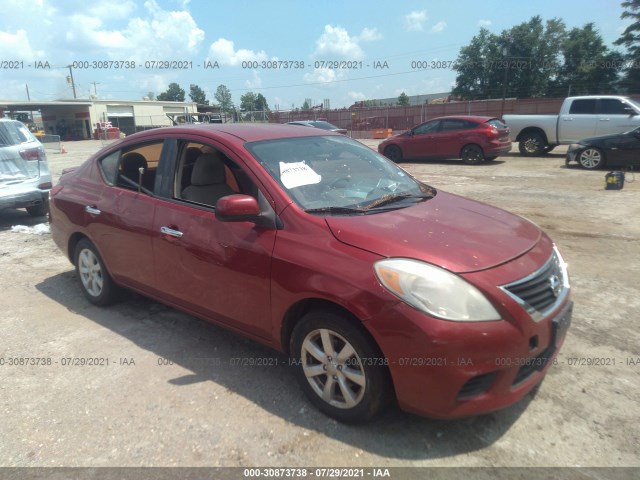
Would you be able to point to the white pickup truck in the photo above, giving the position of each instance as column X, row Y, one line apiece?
column 580, row 117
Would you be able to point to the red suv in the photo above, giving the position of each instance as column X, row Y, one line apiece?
column 377, row 285
column 473, row 139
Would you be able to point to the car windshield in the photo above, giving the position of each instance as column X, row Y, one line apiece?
column 337, row 175
column 634, row 102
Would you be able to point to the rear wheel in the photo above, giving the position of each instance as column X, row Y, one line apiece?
column 393, row 153
column 96, row 282
column 472, row 155
column 340, row 372
column 591, row 158
column 532, row 145
column 39, row 210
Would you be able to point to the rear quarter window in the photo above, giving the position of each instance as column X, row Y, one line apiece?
column 109, row 167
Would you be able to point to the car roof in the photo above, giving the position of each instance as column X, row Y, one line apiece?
column 477, row 118
column 252, row 132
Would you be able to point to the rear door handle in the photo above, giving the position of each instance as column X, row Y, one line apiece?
column 90, row 209
column 171, row 232
column 605, row 119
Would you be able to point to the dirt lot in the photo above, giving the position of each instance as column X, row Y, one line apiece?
column 169, row 397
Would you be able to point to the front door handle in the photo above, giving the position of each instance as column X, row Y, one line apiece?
column 171, row 232
column 90, row 209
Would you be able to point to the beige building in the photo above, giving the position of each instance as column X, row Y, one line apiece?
column 78, row 119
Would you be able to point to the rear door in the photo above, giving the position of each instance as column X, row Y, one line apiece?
column 120, row 221
column 580, row 122
column 219, row 270
column 454, row 134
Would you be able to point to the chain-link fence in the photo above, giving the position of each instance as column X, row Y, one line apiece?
column 50, row 142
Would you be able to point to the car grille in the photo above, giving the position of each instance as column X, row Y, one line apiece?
column 541, row 291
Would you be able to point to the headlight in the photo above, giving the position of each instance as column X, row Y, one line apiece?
column 574, row 146
column 434, row 290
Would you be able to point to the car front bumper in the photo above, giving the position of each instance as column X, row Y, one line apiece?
column 448, row 369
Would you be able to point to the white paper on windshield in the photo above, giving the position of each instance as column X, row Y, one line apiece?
column 297, row 174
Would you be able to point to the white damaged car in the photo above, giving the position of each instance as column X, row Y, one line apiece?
column 25, row 179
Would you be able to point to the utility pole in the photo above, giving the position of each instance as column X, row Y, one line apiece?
column 70, row 80
column 95, row 89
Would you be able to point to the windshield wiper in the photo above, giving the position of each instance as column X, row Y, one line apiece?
column 338, row 210
column 387, row 199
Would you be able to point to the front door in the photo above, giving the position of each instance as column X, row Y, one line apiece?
column 219, row 270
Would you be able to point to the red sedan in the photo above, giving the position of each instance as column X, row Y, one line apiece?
column 378, row 286
column 473, row 139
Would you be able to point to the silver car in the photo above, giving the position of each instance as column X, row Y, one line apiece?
column 25, row 179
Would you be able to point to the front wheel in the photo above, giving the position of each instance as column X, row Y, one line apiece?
column 96, row 282
column 393, row 153
column 472, row 155
column 340, row 372
column 591, row 158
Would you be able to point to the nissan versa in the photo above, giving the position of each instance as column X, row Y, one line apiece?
column 379, row 287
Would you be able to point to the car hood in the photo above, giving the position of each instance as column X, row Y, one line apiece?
column 450, row 231
column 602, row 138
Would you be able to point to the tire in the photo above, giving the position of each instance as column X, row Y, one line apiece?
column 532, row 145
column 472, row 155
column 591, row 158
column 96, row 282
column 325, row 345
column 40, row 210
column 393, row 153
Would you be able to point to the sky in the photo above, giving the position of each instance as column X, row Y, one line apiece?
column 287, row 50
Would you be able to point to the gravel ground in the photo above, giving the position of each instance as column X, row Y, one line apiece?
column 169, row 398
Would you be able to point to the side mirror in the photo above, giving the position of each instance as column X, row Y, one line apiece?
column 410, row 133
column 630, row 111
column 237, row 208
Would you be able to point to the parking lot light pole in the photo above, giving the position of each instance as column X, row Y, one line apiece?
column 505, row 53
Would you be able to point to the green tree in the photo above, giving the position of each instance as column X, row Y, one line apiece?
column 403, row 99
column 588, row 66
column 520, row 62
column 260, row 103
column 151, row 96
column 305, row 105
column 248, row 101
column 197, row 95
column 173, row 94
column 223, row 96
column 630, row 39
column 477, row 77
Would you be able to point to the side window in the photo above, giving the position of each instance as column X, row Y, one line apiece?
column 452, row 125
column 123, row 167
column 583, row 106
column 611, row 106
column 204, row 174
column 429, row 127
